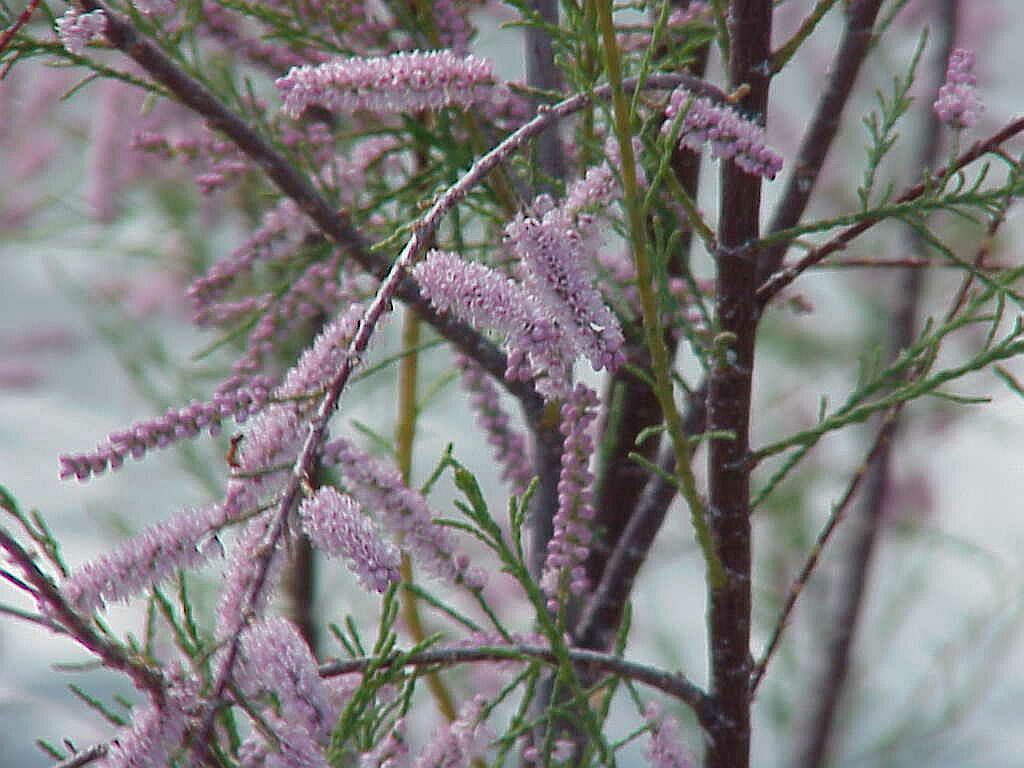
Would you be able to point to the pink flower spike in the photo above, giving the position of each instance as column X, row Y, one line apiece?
column 336, row 526
column 274, row 658
column 569, row 546
column 402, row 83
column 153, row 556
column 732, row 136
column 958, row 105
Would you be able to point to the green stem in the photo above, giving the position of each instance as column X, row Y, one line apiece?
column 653, row 333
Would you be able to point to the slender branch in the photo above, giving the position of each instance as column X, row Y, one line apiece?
column 729, row 392
column 542, row 74
column 653, row 332
column 821, row 132
column 144, row 677
column 770, row 288
column 23, row 19
column 86, row 756
column 824, row 536
column 878, row 469
column 673, row 684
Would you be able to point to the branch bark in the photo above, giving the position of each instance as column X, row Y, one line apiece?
column 729, row 390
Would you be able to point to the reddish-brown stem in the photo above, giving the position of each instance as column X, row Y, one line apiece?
column 729, row 390
column 23, row 18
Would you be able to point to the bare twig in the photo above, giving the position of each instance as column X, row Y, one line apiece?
column 23, row 18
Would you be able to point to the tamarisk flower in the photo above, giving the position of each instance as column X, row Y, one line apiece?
column 509, row 446
column 403, row 511
column 401, row 83
column 460, row 742
column 482, row 296
column 155, row 732
column 176, row 424
column 958, row 105
column 732, row 137
column 273, row 658
column 335, row 525
column 665, row 748
column 569, row 545
column 558, row 258
column 76, row 30
column 392, row 751
column 186, row 541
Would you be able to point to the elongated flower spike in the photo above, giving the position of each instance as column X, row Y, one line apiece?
column 402, row 83
column 732, row 136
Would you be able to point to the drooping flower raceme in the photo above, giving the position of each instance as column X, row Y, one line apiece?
column 402, row 83
column 537, row 346
column 732, row 136
column 403, row 511
column 569, row 545
column 186, row 541
column 274, row 658
column 559, row 269
column 336, row 526
column 958, row 105
column 509, row 445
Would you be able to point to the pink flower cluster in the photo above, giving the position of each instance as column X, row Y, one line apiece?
column 404, row 512
column 731, row 136
column 569, row 546
column 402, row 83
column 509, row 445
column 460, row 742
column 176, row 424
column 558, row 258
column 666, row 748
column 336, row 526
column 76, row 30
column 484, row 297
column 186, row 541
column 556, row 313
column 155, row 731
column 958, row 105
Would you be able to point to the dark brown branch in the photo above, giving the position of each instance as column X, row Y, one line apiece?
column 541, row 73
column 770, row 288
column 857, row 564
column 673, row 684
column 853, row 49
column 729, row 389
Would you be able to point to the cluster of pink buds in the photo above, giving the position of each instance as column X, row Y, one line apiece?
column 958, row 105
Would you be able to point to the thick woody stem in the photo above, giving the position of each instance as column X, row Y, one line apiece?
column 729, row 390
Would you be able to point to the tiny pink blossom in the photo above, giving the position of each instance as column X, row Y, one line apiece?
column 958, row 105
column 569, row 546
column 665, row 748
column 76, row 30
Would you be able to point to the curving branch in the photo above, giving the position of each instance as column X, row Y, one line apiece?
column 673, row 684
